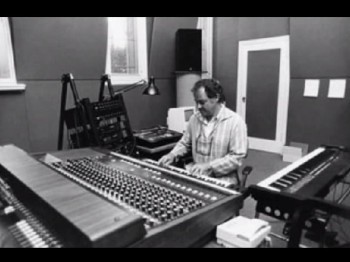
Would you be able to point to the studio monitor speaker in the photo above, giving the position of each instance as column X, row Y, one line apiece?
column 189, row 50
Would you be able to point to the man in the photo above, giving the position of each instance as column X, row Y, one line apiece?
column 216, row 135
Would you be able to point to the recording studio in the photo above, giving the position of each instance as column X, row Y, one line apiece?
column 174, row 132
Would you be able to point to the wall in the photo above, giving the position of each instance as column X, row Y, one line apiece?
column 321, row 120
column 47, row 47
column 228, row 31
column 319, row 49
column 225, row 56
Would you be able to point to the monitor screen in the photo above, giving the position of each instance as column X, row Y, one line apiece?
column 188, row 114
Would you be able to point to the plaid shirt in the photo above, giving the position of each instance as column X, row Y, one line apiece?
column 225, row 147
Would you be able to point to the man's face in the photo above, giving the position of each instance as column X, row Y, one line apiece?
column 205, row 105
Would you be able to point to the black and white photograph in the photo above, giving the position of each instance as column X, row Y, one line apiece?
column 175, row 132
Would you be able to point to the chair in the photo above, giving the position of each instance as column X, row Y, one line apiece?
column 242, row 175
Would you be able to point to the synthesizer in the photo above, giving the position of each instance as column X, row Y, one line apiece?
column 96, row 197
column 184, row 172
column 311, row 176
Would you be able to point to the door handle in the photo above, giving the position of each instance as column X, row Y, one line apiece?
column 243, row 99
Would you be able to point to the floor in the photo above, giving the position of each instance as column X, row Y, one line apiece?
column 265, row 164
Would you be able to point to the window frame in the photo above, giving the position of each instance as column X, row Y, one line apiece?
column 9, row 84
column 127, row 79
column 207, row 44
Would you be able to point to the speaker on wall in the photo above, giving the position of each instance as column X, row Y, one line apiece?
column 189, row 50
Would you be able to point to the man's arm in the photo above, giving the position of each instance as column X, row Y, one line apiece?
column 184, row 145
column 181, row 148
column 238, row 148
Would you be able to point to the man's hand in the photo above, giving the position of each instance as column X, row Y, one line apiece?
column 166, row 160
column 201, row 169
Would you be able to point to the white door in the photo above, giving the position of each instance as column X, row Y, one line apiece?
column 263, row 91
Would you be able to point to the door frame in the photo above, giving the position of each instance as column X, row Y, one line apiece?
column 282, row 43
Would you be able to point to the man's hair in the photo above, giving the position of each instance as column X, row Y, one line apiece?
column 212, row 88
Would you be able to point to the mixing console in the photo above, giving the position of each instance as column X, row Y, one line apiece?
column 168, row 199
column 142, row 190
column 96, row 197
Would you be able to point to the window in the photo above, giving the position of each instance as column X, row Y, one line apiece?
column 8, row 80
column 127, row 49
column 206, row 24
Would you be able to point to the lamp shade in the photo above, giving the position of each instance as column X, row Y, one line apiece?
column 151, row 89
